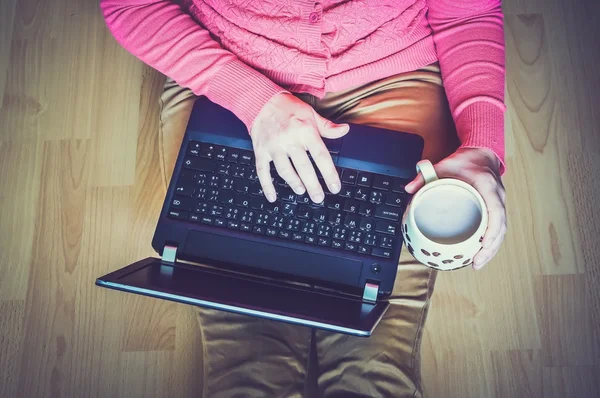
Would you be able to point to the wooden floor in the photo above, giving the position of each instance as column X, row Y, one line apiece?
column 81, row 185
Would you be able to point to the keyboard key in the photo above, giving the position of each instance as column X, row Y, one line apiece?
column 271, row 231
column 334, row 202
column 350, row 246
column 199, row 164
column 394, row 199
column 178, row 214
column 286, row 194
column 324, row 241
column 242, row 186
column 227, row 183
column 214, row 181
column 320, row 215
column 385, row 227
column 207, row 151
column 223, row 168
column 351, row 221
column 304, row 212
column 252, row 176
column 194, row 148
column 370, row 239
column 324, row 230
column 200, row 193
column 382, row 182
column 297, row 237
column 219, row 222
column 376, row 198
column 364, row 249
column 220, row 153
column 202, row 208
column 349, row 176
column 256, row 189
column 379, row 252
column 386, row 242
column 242, row 201
column 226, row 197
column 309, row 228
column 201, row 178
column 337, row 244
column 247, row 216
column 398, row 185
column 355, row 236
column 361, row 194
column 231, row 213
column 351, row 206
column 182, row 203
column 258, row 229
column 339, row 233
column 293, row 224
column 194, row 217
column 184, row 190
column 273, row 208
column 284, row 234
column 216, row 211
column 303, row 199
column 262, row 219
column 233, row 225
column 258, row 203
column 367, row 224
column 233, row 155
column 246, row 157
column 289, row 209
column 239, row 171
column 310, row 239
column 388, row 213
column 212, row 195
column 364, row 179
column 347, row 191
column 246, row 227
column 207, row 220
column 277, row 222
column 366, row 209
column 335, row 218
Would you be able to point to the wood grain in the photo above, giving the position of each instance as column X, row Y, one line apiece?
column 83, row 173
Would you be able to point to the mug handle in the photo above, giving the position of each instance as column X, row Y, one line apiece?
column 427, row 171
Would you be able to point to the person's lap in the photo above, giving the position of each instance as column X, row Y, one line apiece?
column 247, row 356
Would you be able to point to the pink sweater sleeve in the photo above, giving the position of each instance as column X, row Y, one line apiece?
column 162, row 35
column 469, row 39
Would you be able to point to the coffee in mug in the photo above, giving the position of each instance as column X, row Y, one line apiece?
column 445, row 221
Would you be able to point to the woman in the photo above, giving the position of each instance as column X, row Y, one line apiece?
column 284, row 68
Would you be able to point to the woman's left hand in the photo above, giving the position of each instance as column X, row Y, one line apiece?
column 481, row 168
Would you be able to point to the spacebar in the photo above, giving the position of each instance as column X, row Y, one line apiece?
column 208, row 246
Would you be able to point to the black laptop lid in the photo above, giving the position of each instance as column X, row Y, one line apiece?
column 244, row 294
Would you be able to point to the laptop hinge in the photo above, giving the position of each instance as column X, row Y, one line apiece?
column 370, row 293
column 169, row 255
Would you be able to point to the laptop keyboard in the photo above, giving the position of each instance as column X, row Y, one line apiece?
column 218, row 186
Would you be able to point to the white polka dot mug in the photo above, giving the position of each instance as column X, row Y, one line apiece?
column 444, row 223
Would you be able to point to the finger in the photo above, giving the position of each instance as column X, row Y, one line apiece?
column 263, row 171
column 323, row 160
column 415, row 184
column 496, row 211
column 287, row 172
column 486, row 255
column 330, row 130
column 307, row 174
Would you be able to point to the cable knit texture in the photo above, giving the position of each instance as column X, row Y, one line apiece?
column 240, row 53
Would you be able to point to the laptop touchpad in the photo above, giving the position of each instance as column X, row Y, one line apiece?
column 208, row 246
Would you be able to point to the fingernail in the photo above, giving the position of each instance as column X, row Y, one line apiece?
column 270, row 196
column 299, row 190
column 318, row 198
column 335, row 187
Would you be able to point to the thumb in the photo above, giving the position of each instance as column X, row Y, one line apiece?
column 415, row 184
column 331, row 130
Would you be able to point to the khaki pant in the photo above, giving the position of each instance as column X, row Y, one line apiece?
column 251, row 357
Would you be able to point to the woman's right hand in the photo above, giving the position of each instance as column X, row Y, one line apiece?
column 283, row 132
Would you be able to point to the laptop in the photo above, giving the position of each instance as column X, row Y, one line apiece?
column 222, row 245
